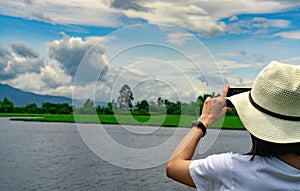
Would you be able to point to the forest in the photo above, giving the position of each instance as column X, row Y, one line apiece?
column 124, row 104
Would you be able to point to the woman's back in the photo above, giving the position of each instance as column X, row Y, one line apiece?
column 239, row 172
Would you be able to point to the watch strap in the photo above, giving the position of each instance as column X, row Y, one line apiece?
column 199, row 125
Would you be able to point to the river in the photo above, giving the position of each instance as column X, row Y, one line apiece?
column 54, row 156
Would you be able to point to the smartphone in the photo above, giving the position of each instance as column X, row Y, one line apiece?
column 235, row 90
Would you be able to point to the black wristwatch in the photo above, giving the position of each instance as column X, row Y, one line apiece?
column 200, row 125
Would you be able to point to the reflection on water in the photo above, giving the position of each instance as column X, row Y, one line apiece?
column 52, row 156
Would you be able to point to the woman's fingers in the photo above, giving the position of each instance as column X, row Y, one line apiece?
column 225, row 91
column 214, row 108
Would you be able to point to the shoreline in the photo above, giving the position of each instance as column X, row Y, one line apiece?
column 168, row 121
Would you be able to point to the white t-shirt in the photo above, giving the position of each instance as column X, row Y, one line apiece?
column 230, row 171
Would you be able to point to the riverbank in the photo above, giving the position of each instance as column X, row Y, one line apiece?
column 229, row 122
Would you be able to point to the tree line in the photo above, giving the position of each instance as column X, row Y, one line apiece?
column 7, row 106
column 123, row 105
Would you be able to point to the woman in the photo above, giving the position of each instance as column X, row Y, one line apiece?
column 271, row 114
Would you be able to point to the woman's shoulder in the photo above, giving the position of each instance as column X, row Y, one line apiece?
column 230, row 156
column 221, row 160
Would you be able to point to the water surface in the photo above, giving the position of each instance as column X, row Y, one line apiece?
column 53, row 156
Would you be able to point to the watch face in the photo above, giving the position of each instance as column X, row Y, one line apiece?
column 195, row 123
column 200, row 125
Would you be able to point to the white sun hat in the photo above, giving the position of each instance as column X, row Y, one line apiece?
column 271, row 110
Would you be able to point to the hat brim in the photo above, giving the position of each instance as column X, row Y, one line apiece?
column 264, row 126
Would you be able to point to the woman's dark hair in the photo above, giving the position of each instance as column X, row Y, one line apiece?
column 264, row 148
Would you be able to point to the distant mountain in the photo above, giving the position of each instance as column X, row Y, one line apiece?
column 22, row 98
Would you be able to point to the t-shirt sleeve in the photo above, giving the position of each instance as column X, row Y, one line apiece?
column 212, row 173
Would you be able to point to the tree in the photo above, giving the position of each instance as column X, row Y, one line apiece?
column 6, row 106
column 192, row 108
column 48, row 107
column 125, row 98
column 137, row 105
column 88, row 103
column 173, row 108
column 88, row 107
column 64, row 108
column 158, row 108
column 109, row 109
column 160, row 101
column 144, row 105
column 56, row 108
column 31, row 108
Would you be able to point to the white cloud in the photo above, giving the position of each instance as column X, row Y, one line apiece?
column 23, row 50
column 149, row 79
column 229, row 70
column 257, row 25
column 22, row 59
column 50, row 80
column 234, row 18
column 261, row 22
column 54, row 76
column 289, row 34
column 23, row 68
column 190, row 17
column 293, row 60
column 91, row 12
column 178, row 38
column 27, row 82
column 195, row 15
column 203, row 16
column 100, row 39
column 70, row 51
column 226, row 65
column 279, row 23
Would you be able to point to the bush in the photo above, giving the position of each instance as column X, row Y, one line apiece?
column 140, row 112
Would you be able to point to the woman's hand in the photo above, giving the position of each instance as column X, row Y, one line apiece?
column 178, row 165
column 214, row 108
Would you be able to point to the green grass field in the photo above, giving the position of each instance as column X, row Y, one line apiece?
column 229, row 122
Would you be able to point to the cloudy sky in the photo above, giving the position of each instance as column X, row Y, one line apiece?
column 173, row 49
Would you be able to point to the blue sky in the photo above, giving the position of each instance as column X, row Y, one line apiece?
column 183, row 49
